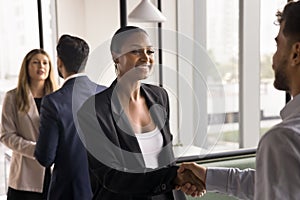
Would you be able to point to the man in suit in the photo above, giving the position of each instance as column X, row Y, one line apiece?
column 59, row 142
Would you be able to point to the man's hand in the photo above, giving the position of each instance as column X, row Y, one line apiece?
column 193, row 187
column 189, row 183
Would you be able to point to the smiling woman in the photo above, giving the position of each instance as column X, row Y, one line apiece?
column 136, row 57
column 126, row 128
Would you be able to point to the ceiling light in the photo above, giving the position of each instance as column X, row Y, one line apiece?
column 146, row 12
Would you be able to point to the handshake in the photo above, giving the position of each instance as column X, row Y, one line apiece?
column 191, row 179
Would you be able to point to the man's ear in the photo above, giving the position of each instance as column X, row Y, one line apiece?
column 115, row 57
column 59, row 62
column 296, row 54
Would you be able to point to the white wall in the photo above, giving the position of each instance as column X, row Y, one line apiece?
column 93, row 20
column 71, row 17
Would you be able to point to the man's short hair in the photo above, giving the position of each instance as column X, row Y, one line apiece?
column 291, row 16
column 73, row 52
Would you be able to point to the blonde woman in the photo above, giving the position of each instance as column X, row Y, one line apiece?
column 20, row 127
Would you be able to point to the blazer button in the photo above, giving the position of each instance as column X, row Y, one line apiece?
column 163, row 186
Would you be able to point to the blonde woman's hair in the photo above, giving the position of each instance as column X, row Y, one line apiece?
column 23, row 87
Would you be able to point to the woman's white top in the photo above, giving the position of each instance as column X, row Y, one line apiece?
column 151, row 144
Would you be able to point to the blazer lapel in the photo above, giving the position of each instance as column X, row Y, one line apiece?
column 158, row 112
column 33, row 113
column 125, row 133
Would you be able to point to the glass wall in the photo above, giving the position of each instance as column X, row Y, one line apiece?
column 224, row 30
column 272, row 100
column 19, row 34
column 223, row 46
column 223, row 49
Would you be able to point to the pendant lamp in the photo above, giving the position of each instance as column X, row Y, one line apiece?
column 146, row 12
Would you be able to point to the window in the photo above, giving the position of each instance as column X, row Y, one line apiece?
column 227, row 31
column 269, row 111
column 19, row 34
column 223, row 48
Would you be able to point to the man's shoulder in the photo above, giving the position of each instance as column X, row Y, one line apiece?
column 278, row 135
column 282, row 130
column 100, row 88
column 100, row 96
column 56, row 94
column 274, row 133
column 85, row 80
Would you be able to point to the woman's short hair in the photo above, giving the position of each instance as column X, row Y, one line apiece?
column 121, row 35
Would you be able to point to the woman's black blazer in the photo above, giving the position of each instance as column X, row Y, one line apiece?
column 116, row 164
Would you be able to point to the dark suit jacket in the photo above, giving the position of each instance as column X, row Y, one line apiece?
column 114, row 154
column 59, row 142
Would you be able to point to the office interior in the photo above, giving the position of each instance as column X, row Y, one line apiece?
column 213, row 57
